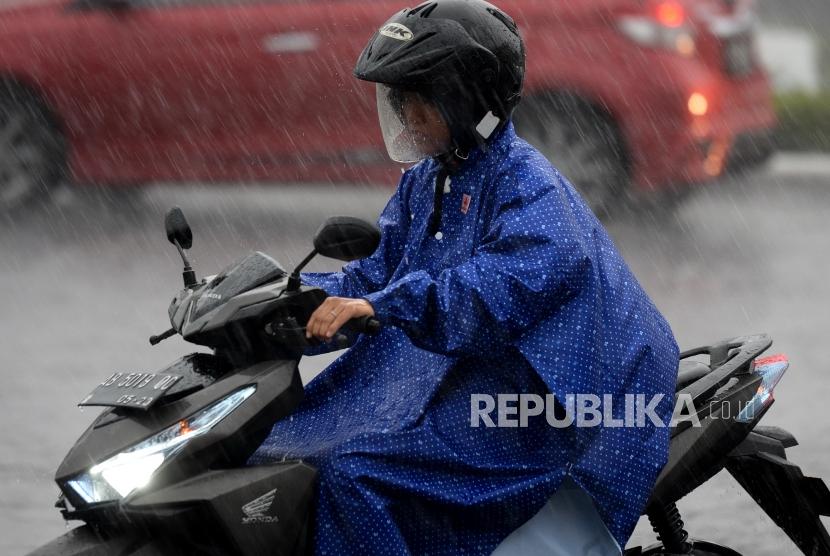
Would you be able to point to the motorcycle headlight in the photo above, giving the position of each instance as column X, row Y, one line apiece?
column 133, row 468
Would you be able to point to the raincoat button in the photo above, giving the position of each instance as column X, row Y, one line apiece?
column 439, row 236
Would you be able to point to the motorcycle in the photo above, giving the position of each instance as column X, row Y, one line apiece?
column 162, row 470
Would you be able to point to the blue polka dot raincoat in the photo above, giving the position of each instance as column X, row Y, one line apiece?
column 520, row 291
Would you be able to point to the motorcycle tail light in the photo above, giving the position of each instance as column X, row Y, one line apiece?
column 770, row 369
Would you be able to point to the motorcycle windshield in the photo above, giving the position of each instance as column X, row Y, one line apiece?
column 246, row 274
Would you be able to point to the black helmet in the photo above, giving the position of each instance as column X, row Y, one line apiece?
column 465, row 56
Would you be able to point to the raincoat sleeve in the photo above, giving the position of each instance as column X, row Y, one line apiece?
column 530, row 261
column 364, row 276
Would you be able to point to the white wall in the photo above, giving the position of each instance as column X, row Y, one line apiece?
column 791, row 56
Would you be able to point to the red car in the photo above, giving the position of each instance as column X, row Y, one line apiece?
column 620, row 94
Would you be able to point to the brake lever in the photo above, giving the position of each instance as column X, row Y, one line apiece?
column 163, row 336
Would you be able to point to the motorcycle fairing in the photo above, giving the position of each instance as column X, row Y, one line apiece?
column 259, row 510
column 279, row 390
column 253, row 510
column 696, row 453
column 238, row 325
column 250, row 272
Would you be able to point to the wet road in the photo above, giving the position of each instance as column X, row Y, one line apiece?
column 83, row 285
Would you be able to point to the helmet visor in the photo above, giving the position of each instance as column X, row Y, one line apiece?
column 413, row 128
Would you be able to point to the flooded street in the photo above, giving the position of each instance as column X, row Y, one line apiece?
column 84, row 284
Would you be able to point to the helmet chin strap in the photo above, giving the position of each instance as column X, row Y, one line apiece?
column 449, row 164
column 452, row 160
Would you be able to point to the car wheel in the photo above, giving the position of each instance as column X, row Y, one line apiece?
column 581, row 144
column 32, row 150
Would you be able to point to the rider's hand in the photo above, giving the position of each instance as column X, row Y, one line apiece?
column 333, row 313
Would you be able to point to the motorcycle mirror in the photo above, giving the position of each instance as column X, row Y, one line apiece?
column 346, row 238
column 340, row 237
column 177, row 228
column 180, row 235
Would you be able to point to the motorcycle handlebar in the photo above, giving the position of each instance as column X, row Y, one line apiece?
column 365, row 325
column 362, row 325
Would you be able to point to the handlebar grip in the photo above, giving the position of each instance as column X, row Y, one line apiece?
column 365, row 325
column 341, row 341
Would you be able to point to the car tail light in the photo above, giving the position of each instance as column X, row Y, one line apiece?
column 663, row 24
column 670, row 14
column 771, row 369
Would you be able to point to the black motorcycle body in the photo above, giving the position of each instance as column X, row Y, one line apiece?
column 198, row 495
column 202, row 498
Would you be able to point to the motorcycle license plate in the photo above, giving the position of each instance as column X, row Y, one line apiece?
column 134, row 390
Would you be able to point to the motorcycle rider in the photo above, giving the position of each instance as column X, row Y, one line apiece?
column 492, row 277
